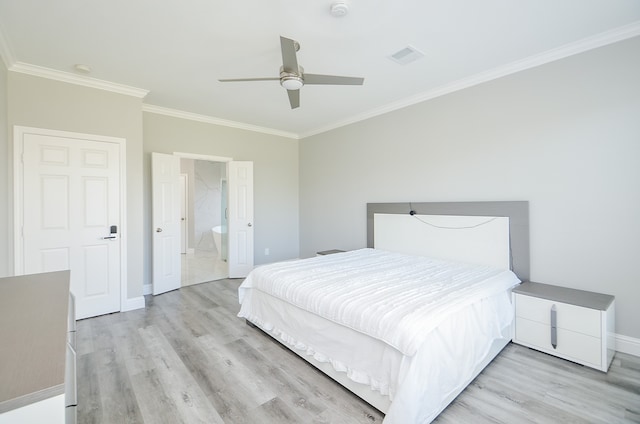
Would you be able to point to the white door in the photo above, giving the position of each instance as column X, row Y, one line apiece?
column 71, row 216
column 240, row 184
column 184, row 210
column 165, row 182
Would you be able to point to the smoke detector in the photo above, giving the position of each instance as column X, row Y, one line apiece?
column 339, row 8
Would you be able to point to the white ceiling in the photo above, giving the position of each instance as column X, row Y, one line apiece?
column 177, row 50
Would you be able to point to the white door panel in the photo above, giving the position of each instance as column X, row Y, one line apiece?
column 184, row 211
column 165, row 181
column 240, row 183
column 71, row 198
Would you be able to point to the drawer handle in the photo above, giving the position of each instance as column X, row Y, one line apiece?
column 554, row 327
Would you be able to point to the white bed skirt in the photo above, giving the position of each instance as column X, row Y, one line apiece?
column 409, row 389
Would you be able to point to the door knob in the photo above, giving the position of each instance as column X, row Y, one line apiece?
column 249, row 225
column 158, row 230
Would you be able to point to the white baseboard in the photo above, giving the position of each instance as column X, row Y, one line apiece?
column 626, row 344
column 133, row 304
column 147, row 289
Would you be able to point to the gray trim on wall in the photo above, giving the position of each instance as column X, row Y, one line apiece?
column 517, row 211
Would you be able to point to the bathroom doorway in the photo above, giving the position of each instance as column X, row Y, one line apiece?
column 204, row 257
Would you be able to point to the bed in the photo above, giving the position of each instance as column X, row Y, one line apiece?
column 408, row 322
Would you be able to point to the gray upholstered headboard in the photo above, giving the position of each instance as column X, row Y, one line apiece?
column 518, row 213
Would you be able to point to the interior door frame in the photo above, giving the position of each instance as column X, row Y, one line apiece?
column 18, row 199
column 198, row 156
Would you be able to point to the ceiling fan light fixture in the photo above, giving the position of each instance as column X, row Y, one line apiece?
column 291, row 82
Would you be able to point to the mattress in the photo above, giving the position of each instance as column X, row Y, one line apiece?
column 411, row 328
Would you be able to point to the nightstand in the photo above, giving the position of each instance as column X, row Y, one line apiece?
column 328, row 252
column 572, row 324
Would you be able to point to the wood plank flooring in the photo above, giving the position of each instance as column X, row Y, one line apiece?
column 187, row 358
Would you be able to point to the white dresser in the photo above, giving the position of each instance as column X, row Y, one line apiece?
column 572, row 324
column 37, row 356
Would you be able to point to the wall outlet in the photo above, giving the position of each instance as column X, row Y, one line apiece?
column 266, row 251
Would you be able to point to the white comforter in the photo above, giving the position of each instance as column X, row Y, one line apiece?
column 392, row 297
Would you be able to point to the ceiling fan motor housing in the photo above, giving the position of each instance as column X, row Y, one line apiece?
column 291, row 80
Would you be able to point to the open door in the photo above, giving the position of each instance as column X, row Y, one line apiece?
column 240, row 238
column 184, row 212
column 165, row 188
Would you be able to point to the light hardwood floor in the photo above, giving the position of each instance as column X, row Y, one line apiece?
column 187, row 358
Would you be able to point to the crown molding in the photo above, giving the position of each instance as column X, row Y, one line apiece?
column 605, row 38
column 40, row 71
column 608, row 37
column 216, row 121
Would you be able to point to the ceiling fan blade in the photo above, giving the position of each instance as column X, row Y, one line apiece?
column 332, row 79
column 289, row 59
column 250, row 79
column 294, row 98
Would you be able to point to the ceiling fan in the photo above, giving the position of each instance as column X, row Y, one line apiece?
column 292, row 76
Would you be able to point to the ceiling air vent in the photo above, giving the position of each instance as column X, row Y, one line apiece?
column 406, row 55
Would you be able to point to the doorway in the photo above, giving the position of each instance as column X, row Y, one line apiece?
column 204, row 257
column 165, row 187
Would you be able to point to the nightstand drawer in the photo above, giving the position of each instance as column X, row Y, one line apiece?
column 569, row 317
column 571, row 345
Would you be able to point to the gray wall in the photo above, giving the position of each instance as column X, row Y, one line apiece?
column 565, row 136
column 43, row 103
column 4, row 175
column 38, row 102
column 275, row 162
